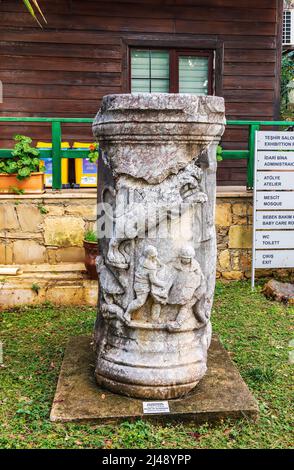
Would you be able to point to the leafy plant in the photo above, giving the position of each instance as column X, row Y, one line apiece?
column 258, row 374
column 42, row 209
column 25, row 159
column 14, row 190
column 219, row 151
column 35, row 288
column 90, row 236
column 287, row 75
column 33, row 6
column 93, row 154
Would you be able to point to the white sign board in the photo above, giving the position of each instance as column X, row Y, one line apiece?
column 274, row 259
column 274, row 140
column 268, row 239
column 155, row 407
column 274, row 180
column 273, row 220
column 282, row 200
column 272, row 160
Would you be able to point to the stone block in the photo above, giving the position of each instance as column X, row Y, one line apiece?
column 2, row 253
column 223, row 216
column 29, row 217
column 245, row 261
column 249, row 209
column 64, row 231
column 22, row 236
column 240, row 209
column 247, row 274
column 53, row 209
column 8, row 217
column 240, row 236
column 8, row 254
column 51, row 254
column 28, row 252
column 66, row 295
column 236, row 261
column 91, row 292
column 224, row 260
column 11, row 298
column 233, row 275
column 86, row 211
column 71, row 254
column 279, row 291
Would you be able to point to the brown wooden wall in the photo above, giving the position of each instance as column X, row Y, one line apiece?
column 65, row 69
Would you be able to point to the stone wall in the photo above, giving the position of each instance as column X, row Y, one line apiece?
column 234, row 237
column 49, row 229
column 45, row 229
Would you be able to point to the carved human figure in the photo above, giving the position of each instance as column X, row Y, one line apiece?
column 187, row 283
column 146, row 279
column 110, row 287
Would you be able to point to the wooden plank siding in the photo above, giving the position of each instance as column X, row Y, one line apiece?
column 65, row 69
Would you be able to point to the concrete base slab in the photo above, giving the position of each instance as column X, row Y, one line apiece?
column 222, row 393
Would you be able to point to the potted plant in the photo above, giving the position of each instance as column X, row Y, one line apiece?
column 94, row 152
column 91, row 252
column 23, row 171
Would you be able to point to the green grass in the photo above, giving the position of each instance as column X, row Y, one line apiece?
column 256, row 331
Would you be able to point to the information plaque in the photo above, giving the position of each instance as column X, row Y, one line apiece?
column 155, row 407
column 273, row 216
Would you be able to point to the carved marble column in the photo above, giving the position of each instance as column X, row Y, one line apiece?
column 156, row 265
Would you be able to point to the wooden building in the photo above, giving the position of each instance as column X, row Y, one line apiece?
column 92, row 48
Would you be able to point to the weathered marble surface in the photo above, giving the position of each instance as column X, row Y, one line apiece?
column 222, row 394
column 157, row 267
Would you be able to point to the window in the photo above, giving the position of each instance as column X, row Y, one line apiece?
column 150, row 71
column 171, row 71
column 288, row 27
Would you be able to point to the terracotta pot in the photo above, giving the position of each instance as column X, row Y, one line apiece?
column 91, row 252
column 32, row 185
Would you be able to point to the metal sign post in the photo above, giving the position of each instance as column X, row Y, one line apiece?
column 273, row 214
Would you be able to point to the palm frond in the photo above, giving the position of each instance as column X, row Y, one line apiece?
column 31, row 8
column 39, row 10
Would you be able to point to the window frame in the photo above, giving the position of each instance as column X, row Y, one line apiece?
column 174, row 54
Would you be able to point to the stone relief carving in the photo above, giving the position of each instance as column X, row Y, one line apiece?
column 147, row 282
column 157, row 264
column 149, row 204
